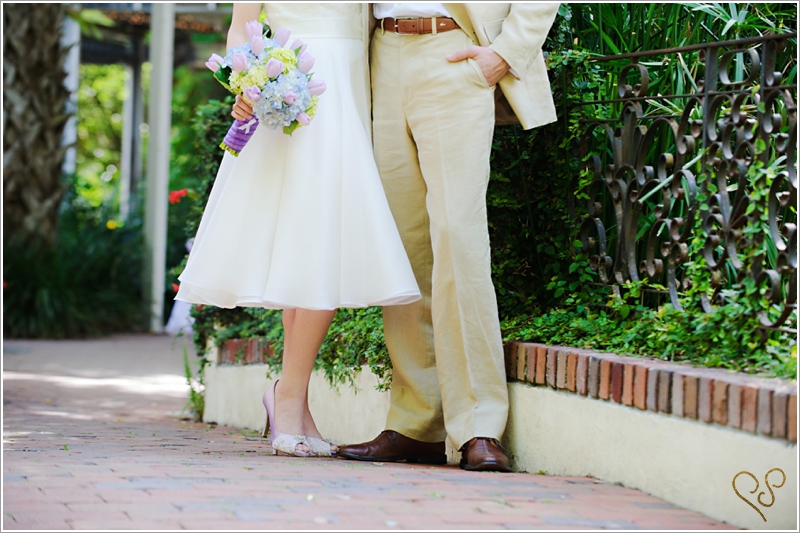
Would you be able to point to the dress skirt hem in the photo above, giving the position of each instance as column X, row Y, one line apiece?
column 198, row 295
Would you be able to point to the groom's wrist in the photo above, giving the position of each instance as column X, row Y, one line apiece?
column 508, row 68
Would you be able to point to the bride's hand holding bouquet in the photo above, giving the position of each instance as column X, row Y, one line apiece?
column 272, row 84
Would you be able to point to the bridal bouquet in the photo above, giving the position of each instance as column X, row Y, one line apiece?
column 273, row 79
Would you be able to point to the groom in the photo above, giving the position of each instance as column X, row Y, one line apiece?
column 442, row 76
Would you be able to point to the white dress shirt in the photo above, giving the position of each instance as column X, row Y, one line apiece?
column 409, row 10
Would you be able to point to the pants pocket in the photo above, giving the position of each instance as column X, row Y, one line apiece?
column 477, row 74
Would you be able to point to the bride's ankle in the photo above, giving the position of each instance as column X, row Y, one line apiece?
column 287, row 393
column 289, row 414
column 309, row 426
column 285, row 400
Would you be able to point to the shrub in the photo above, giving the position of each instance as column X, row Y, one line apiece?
column 88, row 285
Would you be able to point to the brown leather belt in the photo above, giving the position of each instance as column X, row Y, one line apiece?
column 418, row 26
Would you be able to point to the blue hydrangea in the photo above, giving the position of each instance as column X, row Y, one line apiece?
column 271, row 109
column 247, row 50
column 268, row 44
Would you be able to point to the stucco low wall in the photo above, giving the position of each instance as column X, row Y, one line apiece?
column 685, row 462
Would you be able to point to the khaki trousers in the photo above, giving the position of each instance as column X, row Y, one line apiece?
column 432, row 125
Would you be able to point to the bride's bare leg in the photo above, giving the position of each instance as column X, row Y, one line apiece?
column 304, row 332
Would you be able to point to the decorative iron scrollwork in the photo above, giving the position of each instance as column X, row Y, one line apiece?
column 725, row 131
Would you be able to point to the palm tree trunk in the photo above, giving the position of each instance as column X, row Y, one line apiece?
column 34, row 116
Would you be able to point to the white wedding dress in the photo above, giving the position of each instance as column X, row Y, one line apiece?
column 303, row 221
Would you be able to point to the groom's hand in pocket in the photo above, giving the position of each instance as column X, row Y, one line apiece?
column 491, row 64
column 241, row 109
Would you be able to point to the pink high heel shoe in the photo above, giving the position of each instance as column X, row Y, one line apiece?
column 282, row 443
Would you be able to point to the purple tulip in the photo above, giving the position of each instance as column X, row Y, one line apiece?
column 316, row 87
column 257, row 44
column 214, row 62
column 306, row 63
column 253, row 29
column 282, row 36
column 253, row 94
column 274, row 67
column 303, row 119
column 239, row 62
column 299, row 44
column 289, row 97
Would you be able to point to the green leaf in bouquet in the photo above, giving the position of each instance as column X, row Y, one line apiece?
column 297, row 51
column 222, row 75
column 288, row 130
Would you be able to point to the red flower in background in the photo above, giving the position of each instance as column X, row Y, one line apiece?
column 175, row 196
column 199, row 307
column 175, row 287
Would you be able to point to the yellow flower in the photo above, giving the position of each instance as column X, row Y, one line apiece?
column 285, row 55
column 256, row 75
column 111, row 224
column 312, row 109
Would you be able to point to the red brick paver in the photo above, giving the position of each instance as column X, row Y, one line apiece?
column 605, row 379
column 99, row 446
column 640, row 387
column 530, row 377
column 541, row 365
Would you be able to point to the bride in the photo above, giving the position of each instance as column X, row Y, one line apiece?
column 301, row 223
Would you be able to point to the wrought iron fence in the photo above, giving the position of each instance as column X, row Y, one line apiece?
column 705, row 179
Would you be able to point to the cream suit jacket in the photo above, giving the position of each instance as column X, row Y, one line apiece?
column 516, row 31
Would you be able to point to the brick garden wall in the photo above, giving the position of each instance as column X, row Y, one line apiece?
column 714, row 396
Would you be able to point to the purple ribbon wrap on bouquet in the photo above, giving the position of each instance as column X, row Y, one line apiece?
column 238, row 135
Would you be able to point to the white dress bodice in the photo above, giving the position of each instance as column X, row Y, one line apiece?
column 344, row 21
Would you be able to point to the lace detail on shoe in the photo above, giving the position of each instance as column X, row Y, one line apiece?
column 320, row 447
column 288, row 444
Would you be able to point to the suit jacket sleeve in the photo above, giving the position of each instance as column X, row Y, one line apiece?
column 523, row 33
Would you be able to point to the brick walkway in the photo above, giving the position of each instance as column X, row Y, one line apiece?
column 92, row 440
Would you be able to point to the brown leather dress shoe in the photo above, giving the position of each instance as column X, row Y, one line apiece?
column 484, row 454
column 392, row 447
